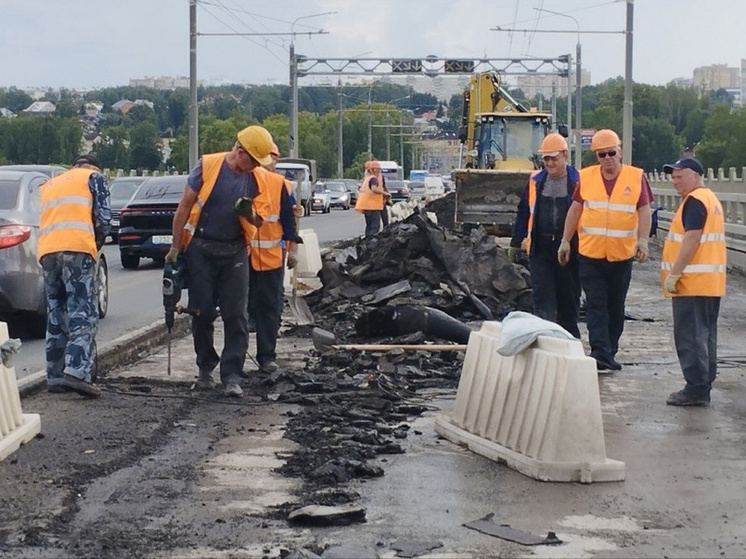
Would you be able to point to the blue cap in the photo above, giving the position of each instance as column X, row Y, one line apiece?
column 684, row 163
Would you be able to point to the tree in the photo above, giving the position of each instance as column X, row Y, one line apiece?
column 145, row 150
column 113, row 150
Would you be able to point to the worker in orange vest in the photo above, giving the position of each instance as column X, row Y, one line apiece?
column 371, row 197
column 693, row 269
column 611, row 213
column 215, row 236
column 74, row 221
column 539, row 225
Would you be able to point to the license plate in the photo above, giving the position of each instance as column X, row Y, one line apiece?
column 115, row 222
column 162, row 239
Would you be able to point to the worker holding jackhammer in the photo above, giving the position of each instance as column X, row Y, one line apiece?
column 215, row 238
column 611, row 213
column 275, row 239
column 539, row 226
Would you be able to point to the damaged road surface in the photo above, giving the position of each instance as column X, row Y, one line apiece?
column 335, row 455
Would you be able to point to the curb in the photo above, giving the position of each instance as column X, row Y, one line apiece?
column 120, row 352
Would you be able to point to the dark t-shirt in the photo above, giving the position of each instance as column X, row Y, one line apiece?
column 693, row 214
column 218, row 220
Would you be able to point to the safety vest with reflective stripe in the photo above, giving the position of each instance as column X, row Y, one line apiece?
column 367, row 199
column 608, row 224
column 66, row 221
column 266, row 246
column 705, row 273
column 211, row 164
column 531, row 209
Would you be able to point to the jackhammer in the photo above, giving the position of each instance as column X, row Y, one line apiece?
column 174, row 281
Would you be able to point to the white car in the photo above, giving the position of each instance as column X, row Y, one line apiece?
column 435, row 187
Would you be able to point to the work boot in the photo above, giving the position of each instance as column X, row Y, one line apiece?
column 56, row 389
column 205, row 382
column 233, row 390
column 681, row 399
column 269, row 366
column 80, row 386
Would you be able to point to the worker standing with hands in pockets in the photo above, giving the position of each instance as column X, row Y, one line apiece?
column 693, row 269
column 611, row 213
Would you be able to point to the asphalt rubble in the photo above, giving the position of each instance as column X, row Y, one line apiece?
column 156, row 469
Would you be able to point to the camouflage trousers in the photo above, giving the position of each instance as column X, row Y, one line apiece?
column 72, row 314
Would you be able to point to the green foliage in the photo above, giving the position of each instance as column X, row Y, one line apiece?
column 39, row 140
column 724, row 140
column 145, row 150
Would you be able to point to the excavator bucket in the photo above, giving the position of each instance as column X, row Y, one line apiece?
column 489, row 198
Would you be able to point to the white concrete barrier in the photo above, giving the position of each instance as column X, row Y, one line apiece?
column 538, row 411
column 16, row 427
column 309, row 255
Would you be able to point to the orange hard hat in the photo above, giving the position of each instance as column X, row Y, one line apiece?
column 604, row 139
column 553, row 144
column 274, row 151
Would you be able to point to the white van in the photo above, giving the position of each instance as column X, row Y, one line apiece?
column 435, row 186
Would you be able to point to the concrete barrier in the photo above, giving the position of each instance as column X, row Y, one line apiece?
column 539, row 411
column 309, row 254
column 16, row 427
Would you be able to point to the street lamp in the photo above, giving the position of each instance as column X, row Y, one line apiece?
column 293, row 136
column 578, row 91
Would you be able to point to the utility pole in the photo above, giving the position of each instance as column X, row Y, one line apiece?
column 340, row 161
column 370, row 126
column 627, row 122
column 193, row 136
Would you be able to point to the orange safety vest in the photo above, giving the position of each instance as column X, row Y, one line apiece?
column 705, row 273
column 608, row 224
column 531, row 208
column 266, row 253
column 211, row 164
column 367, row 199
column 66, row 221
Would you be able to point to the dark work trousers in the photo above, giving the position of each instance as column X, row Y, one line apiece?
column 219, row 274
column 372, row 222
column 695, row 333
column 605, row 284
column 555, row 289
column 265, row 307
column 385, row 216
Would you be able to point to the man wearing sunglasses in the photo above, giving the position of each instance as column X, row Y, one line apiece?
column 611, row 213
column 539, row 225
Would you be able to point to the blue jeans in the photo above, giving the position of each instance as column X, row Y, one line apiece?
column 695, row 334
column 72, row 314
column 372, row 222
column 605, row 284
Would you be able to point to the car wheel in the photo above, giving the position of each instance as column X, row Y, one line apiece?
column 129, row 261
column 102, row 287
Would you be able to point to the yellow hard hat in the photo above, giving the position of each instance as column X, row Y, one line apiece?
column 552, row 144
column 258, row 142
column 604, row 139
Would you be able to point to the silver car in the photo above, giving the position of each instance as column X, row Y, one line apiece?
column 22, row 300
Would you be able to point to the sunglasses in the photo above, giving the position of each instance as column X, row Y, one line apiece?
column 602, row 154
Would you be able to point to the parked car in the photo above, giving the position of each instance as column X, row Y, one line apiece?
column 399, row 190
column 121, row 190
column 22, row 299
column 435, row 186
column 352, row 188
column 339, row 197
column 145, row 222
column 418, row 192
column 48, row 170
column 321, row 198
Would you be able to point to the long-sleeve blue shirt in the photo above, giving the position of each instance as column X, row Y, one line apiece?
column 101, row 210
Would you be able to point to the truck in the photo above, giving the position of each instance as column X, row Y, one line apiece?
column 303, row 169
column 391, row 170
column 500, row 138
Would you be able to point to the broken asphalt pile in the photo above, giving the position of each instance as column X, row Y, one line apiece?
column 413, row 283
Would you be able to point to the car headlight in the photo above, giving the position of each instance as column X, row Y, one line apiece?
column 343, row 197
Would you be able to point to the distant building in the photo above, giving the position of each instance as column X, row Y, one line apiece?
column 6, row 113
column 743, row 81
column 123, row 106
column 533, row 84
column 716, row 76
column 40, row 108
column 163, row 82
column 144, row 102
column 681, row 82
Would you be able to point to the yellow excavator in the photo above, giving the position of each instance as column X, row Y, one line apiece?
column 499, row 138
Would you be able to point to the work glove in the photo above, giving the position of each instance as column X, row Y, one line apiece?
column 292, row 260
column 245, row 208
column 563, row 254
column 642, row 251
column 513, row 253
column 172, row 256
column 669, row 284
column 298, row 211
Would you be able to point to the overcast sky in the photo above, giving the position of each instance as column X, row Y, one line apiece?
column 98, row 43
